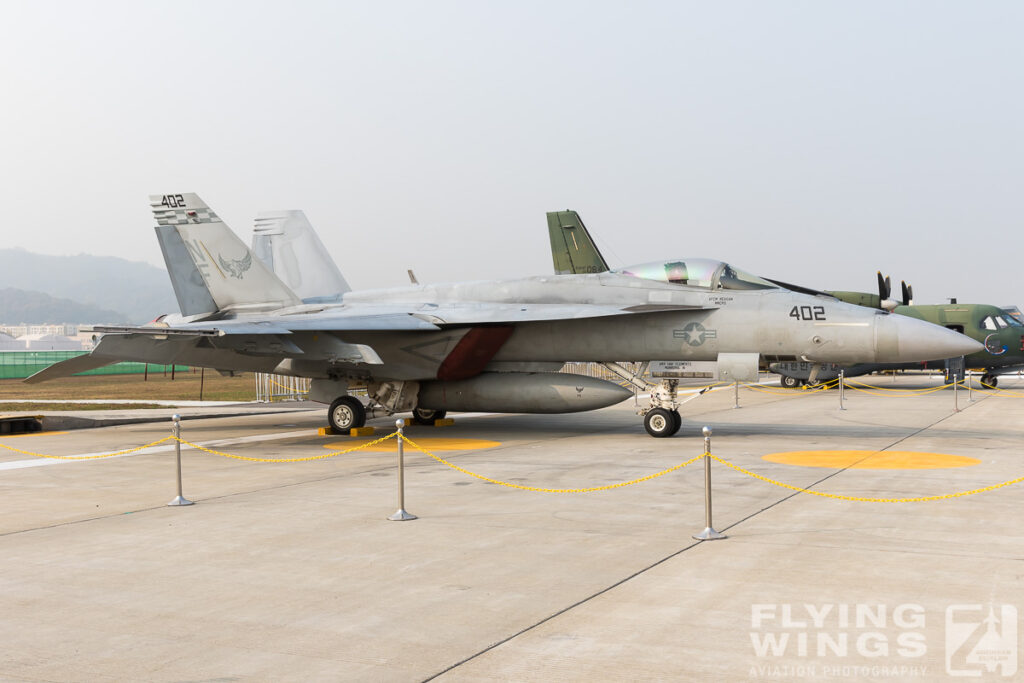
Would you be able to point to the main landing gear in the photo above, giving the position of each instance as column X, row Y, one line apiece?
column 348, row 412
column 989, row 381
column 425, row 416
column 345, row 413
column 661, row 414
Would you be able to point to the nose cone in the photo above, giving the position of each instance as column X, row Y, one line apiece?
column 899, row 339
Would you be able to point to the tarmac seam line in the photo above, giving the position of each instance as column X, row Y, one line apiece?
column 659, row 562
column 563, row 611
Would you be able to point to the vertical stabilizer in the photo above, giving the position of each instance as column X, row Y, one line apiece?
column 572, row 249
column 221, row 264
column 193, row 296
column 287, row 243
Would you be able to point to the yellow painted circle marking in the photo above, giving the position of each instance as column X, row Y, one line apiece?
column 872, row 460
column 428, row 443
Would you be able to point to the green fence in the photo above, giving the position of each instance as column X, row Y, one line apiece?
column 21, row 364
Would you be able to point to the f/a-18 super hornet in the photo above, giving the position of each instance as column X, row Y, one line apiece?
column 492, row 345
column 1000, row 333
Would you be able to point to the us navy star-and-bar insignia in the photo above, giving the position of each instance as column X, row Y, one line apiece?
column 694, row 334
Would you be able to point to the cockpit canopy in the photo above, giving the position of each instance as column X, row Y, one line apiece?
column 999, row 322
column 698, row 272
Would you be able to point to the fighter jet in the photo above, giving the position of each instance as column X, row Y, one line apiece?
column 491, row 345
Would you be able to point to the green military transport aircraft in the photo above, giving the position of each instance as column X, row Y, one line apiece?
column 1001, row 333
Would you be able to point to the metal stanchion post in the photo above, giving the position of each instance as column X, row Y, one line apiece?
column 956, row 397
column 970, row 387
column 842, row 388
column 401, row 515
column 736, row 390
column 176, row 430
column 709, row 533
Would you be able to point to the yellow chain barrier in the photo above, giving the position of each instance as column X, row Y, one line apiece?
column 885, row 391
column 88, row 457
column 1001, row 393
column 291, row 389
column 919, row 499
column 851, row 382
column 523, row 487
column 546, row 490
column 805, row 390
column 308, row 458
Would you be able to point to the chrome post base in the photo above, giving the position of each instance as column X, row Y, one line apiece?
column 709, row 534
column 402, row 516
column 181, row 500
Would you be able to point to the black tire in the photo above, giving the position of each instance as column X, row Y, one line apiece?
column 660, row 423
column 789, row 382
column 678, row 419
column 989, row 381
column 346, row 413
column 425, row 416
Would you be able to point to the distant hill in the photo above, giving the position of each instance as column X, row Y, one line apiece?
column 137, row 291
column 36, row 308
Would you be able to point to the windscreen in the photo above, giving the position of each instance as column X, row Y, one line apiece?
column 705, row 273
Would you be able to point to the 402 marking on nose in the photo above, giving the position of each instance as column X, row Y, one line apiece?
column 808, row 313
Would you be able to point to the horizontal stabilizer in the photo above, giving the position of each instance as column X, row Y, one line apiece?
column 158, row 331
column 69, row 367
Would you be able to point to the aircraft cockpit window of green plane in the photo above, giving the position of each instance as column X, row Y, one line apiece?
column 704, row 273
column 999, row 322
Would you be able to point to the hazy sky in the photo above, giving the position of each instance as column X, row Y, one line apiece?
column 814, row 142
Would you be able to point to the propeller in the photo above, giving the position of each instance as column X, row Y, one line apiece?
column 908, row 293
column 884, row 286
column 884, row 292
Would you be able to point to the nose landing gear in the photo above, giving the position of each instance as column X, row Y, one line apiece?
column 660, row 422
column 661, row 415
column 989, row 381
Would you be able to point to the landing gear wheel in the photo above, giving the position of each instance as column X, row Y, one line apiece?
column 660, row 423
column 789, row 382
column 989, row 381
column 678, row 420
column 346, row 413
column 425, row 416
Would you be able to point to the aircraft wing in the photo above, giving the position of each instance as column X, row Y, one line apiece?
column 385, row 322
column 384, row 318
column 485, row 313
column 268, row 337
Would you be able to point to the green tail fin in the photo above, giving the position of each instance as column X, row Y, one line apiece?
column 572, row 249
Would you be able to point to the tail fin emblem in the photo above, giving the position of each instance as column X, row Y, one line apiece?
column 235, row 267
